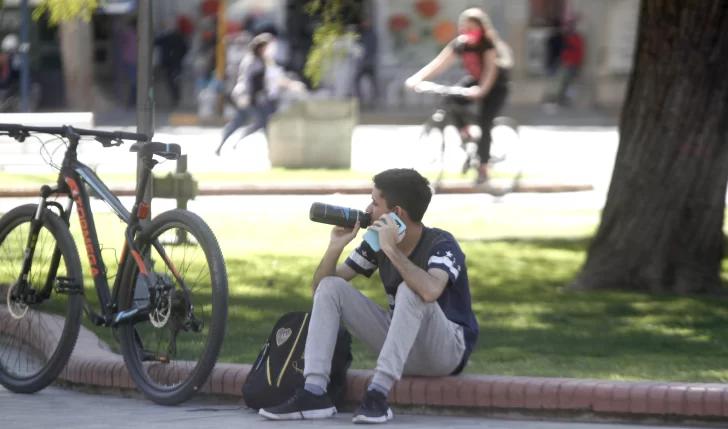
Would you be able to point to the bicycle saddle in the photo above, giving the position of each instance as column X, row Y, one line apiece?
column 170, row 151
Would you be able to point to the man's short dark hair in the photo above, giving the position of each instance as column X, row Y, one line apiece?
column 406, row 188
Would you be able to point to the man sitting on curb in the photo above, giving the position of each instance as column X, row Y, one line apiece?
column 430, row 329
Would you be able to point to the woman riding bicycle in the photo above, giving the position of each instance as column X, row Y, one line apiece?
column 488, row 61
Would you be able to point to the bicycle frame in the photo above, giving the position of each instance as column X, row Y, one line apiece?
column 71, row 180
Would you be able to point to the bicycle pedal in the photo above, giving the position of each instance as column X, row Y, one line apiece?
column 155, row 357
column 68, row 286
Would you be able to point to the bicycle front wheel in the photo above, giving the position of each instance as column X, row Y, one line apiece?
column 429, row 153
column 39, row 319
column 171, row 353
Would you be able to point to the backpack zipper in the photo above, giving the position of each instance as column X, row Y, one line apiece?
column 263, row 352
column 288, row 360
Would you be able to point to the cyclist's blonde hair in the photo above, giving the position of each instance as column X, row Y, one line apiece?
column 478, row 16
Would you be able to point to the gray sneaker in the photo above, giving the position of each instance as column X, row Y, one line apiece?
column 373, row 409
column 303, row 405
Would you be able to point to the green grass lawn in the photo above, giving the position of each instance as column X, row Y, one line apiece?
column 519, row 264
column 274, row 175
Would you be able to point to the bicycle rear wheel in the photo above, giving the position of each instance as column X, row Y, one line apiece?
column 505, row 134
column 175, row 370
column 37, row 339
column 505, row 164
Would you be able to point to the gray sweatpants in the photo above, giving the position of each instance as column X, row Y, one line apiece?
column 415, row 339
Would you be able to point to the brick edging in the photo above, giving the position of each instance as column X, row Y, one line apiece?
column 93, row 365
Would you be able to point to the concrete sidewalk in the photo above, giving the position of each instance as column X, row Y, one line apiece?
column 62, row 409
column 583, row 156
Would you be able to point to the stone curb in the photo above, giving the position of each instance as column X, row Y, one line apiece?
column 93, row 365
column 319, row 188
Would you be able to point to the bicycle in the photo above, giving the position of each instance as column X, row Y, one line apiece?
column 451, row 105
column 141, row 297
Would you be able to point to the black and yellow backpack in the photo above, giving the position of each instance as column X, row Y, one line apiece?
column 278, row 370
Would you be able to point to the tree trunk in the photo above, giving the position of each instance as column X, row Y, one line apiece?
column 77, row 54
column 662, row 225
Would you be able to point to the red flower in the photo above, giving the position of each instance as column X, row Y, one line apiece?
column 185, row 25
column 398, row 23
column 233, row 27
column 444, row 31
column 427, row 8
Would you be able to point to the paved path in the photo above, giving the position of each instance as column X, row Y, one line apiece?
column 483, row 203
column 61, row 409
column 581, row 154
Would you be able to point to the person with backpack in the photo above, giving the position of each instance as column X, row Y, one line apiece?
column 258, row 88
column 488, row 60
column 250, row 93
column 429, row 328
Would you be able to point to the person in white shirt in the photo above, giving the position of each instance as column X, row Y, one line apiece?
column 258, row 87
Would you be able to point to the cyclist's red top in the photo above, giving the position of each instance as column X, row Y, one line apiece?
column 471, row 48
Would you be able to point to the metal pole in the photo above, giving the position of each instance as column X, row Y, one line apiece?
column 145, row 82
column 23, row 50
column 144, row 109
column 180, row 169
column 221, row 53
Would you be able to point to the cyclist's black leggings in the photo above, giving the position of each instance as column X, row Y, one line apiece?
column 490, row 107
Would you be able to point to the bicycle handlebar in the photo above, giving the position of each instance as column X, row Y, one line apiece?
column 20, row 132
column 438, row 89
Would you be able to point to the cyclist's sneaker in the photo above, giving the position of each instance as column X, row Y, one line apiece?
column 373, row 409
column 483, row 184
column 303, row 405
column 482, row 175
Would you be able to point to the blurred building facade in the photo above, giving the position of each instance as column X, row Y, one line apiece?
column 410, row 33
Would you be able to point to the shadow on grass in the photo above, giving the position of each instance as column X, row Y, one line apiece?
column 529, row 324
column 534, row 327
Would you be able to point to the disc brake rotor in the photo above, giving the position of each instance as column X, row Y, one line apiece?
column 17, row 309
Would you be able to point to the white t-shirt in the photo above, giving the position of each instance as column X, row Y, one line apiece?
column 273, row 75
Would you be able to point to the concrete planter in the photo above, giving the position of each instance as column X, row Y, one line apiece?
column 314, row 133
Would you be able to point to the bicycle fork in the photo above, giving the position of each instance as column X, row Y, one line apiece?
column 64, row 285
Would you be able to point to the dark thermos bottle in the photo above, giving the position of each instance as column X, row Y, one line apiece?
column 339, row 216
